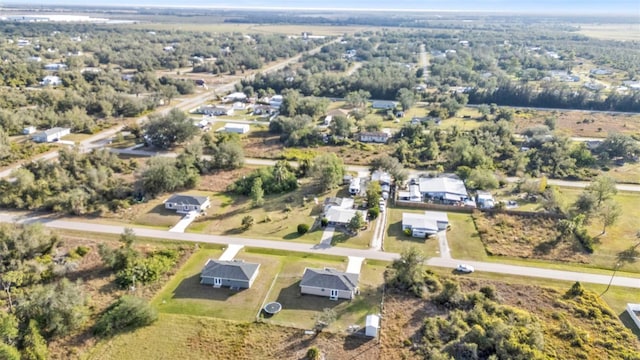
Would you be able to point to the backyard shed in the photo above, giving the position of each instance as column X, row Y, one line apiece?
column 372, row 325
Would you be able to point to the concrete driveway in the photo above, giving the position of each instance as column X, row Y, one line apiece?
column 184, row 222
column 354, row 265
column 327, row 235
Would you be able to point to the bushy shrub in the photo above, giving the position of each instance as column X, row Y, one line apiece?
column 313, row 353
column 126, row 313
column 374, row 212
column 324, row 222
column 82, row 250
column 407, row 232
column 303, row 228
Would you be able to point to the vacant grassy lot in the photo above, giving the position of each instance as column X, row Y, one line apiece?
column 192, row 337
column 613, row 247
column 404, row 317
column 580, row 123
column 278, row 219
column 526, row 237
column 611, row 31
column 396, row 241
column 464, row 241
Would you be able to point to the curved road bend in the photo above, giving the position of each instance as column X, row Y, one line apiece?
column 337, row 251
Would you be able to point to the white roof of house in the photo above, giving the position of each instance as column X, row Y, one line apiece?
column 443, row 185
column 429, row 221
column 484, row 195
column 244, row 127
column 339, row 215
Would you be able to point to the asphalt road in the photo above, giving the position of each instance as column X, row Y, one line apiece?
column 67, row 224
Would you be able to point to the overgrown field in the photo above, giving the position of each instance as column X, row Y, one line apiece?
column 555, row 324
column 526, row 237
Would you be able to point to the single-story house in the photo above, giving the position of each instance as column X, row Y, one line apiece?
column 446, row 189
column 343, row 203
column 383, row 104
column 376, row 136
column 234, row 274
column 485, row 200
column 55, row 67
column 337, row 216
column 203, row 123
column 236, row 128
column 28, row 130
column 276, row 101
column 263, row 110
column 372, row 324
column 329, row 282
column 184, row 203
column 338, row 112
column 234, row 97
column 51, row 135
column 382, row 177
column 239, row 105
column 412, row 195
column 51, row 80
column 423, row 225
column 215, row 110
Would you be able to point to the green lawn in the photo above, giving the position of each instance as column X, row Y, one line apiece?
column 396, row 240
column 278, row 219
column 300, row 311
column 184, row 294
column 360, row 241
column 464, row 241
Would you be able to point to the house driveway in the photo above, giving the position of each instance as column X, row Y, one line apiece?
column 184, row 222
column 444, row 245
column 354, row 265
column 327, row 235
column 230, row 252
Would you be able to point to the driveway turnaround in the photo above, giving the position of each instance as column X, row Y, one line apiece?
column 231, row 252
column 354, row 265
column 525, row 271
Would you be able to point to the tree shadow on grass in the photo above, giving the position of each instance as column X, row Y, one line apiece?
column 292, row 236
column 190, row 288
column 630, row 255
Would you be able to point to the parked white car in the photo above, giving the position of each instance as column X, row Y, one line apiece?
column 464, row 268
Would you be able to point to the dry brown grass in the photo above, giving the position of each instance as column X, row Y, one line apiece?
column 581, row 123
column 404, row 315
column 526, row 237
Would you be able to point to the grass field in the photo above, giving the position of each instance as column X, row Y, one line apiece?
column 612, row 31
column 203, row 24
column 184, row 294
column 277, row 219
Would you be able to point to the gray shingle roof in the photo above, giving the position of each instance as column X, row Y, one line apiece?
column 233, row 270
column 329, row 279
column 182, row 199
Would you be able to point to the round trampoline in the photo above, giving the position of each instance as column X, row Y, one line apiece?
column 273, row 308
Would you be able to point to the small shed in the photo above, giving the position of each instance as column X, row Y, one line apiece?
column 372, row 325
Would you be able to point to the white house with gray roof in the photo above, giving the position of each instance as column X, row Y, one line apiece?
column 329, row 282
column 234, row 273
column 423, row 225
column 184, row 203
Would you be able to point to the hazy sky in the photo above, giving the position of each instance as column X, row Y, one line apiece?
column 627, row 7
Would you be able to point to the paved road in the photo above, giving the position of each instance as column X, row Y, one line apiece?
column 65, row 224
